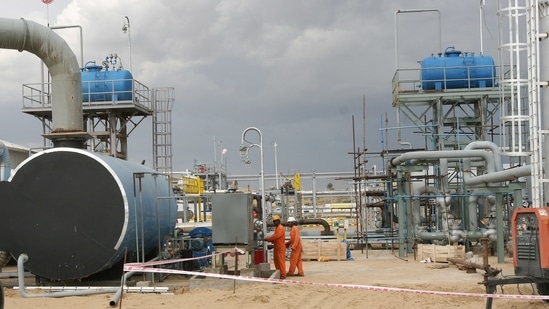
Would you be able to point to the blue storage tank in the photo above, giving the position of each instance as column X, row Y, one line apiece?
column 455, row 70
column 75, row 213
column 99, row 84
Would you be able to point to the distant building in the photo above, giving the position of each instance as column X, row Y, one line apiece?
column 17, row 154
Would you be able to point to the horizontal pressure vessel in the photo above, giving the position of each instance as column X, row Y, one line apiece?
column 455, row 70
column 99, row 85
column 76, row 213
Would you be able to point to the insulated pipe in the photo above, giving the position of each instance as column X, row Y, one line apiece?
column 486, row 145
column 456, row 235
column 472, row 210
column 491, row 234
column 491, row 206
column 443, row 171
column 432, row 235
column 5, row 157
column 448, row 154
column 66, row 93
column 21, row 279
column 493, row 175
column 441, row 204
column 505, row 175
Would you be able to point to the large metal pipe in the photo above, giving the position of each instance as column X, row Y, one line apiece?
column 456, row 235
column 66, row 93
column 492, row 163
column 441, row 202
column 486, row 145
column 327, row 231
column 472, row 206
column 495, row 173
column 318, row 221
column 437, row 155
column 505, row 175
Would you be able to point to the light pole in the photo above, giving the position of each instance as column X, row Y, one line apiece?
column 218, row 143
column 276, row 166
column 244, row 154
column 223, row 168
column 126, row 28
column 214, row 186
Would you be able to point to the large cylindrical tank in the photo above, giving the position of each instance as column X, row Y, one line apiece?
column 78, row 212
column 99, row 84
column 455, row 70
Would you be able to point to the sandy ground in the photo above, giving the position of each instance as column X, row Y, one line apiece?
column 379, row 268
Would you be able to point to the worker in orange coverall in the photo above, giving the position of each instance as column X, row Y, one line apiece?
column 295, row 244
column 279, row 250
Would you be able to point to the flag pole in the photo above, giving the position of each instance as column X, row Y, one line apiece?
column 47, row 2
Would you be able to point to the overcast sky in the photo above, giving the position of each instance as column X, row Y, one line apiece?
column 297, row 70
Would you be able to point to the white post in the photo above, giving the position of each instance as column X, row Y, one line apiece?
column 276, row 167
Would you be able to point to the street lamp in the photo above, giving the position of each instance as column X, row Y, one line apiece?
column 276, row 167
column 244, row 148
column 126, row 28
column 223, row 168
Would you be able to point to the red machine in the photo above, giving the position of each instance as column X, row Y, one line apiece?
column 530, row 230
column 530, row 233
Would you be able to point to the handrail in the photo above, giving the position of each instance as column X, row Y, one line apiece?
column 34, row 97
column 410, row 80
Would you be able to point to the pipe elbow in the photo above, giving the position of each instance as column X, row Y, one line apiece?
column 324, row 223
column 491, row 234
column 456, row 235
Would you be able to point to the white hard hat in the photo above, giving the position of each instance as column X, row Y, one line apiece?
column 292, row 219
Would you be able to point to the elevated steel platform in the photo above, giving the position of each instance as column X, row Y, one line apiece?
column 109, row 122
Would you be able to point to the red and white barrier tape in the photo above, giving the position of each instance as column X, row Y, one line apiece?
column 230, row 252
column 142, row 267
